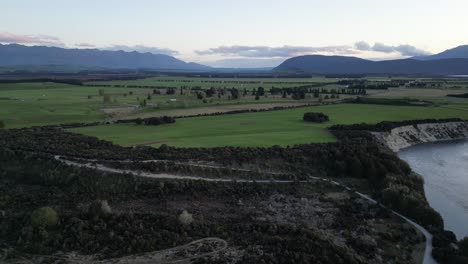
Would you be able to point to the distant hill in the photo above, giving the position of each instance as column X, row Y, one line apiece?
column 14, row 55
column 460, row 52
column 351, row 65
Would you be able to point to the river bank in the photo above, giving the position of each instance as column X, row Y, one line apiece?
column 406, row 136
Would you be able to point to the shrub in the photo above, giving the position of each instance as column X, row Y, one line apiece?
column 44, row 217
column 154, row 121
column 315, row 117
column 99, row 208
column 185, row 218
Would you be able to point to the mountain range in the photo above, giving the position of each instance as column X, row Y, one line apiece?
column 450, row 62
column 14, row 55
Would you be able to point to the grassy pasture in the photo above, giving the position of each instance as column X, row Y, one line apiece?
column 239, row 83
column 30, row 104
column 261, row 129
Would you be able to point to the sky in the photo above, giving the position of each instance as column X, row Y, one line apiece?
column 241, row 33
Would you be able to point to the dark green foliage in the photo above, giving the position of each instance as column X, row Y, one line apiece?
column 170, row 91
column 463, row 245
column 44, row 217
column 261, row 91
column 465, row 95
column 200, row 96
column 315, row 117
column 234, row 93
column 155, row 121
column 387, row 126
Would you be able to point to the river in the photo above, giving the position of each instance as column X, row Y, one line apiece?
column 444, row 167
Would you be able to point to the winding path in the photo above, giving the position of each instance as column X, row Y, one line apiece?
column 428, row 259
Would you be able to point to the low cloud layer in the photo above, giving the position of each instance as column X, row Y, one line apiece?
column 273, row 52
column 246, row 63
column 142, row 48
column 85, row 45
column 6, row 37
column 404, row 50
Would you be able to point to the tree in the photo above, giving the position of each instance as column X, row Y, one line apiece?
column 149, row 97
column 200, row 96
column 210, row 92
column 316, row 93
column 170, row 91
column 284, row 94
column 257, row 97
column 261, row 91
column 298, row 95
column 101, row 92
column 463, row 245
column 234, row 93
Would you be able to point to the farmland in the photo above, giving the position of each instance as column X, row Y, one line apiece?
column 252, row 159
column 34, row 104
column 283, row 127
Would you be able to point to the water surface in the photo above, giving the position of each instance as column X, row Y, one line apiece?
column 444, row 167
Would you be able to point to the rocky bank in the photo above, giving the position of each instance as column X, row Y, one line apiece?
column 407, row 136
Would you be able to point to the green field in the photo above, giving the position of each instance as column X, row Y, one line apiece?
column 261, row 129
column 32, row 104
column 239, row 83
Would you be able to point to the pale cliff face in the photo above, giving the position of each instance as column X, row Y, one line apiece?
column 407, row 136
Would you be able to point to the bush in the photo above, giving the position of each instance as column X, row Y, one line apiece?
column 154, row 121
column 315, row 117
column 44, row 217
column 185, row 218
column 99, row 208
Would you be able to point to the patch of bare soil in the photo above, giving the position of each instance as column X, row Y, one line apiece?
column 117, row 112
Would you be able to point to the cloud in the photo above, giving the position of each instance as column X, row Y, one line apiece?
column 85, row 45
column 404, row 50
column 273, row 52
column 142, row 48
column 6, row 37
column 362, row 45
